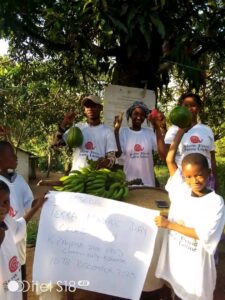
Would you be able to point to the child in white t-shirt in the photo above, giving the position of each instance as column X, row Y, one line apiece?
column 11, row 232
column 137, row 144
column 21, row 196
column 198, row 138
column 194, row 227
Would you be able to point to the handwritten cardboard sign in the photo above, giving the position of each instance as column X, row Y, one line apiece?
column 107, row 244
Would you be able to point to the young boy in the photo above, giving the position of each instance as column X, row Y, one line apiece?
column 195, row 224
column 21, row 196
column 11, row 232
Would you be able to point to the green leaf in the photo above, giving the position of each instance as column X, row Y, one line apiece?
column 118, row 24
column 158, row 24
column 146, row 32
column 86, row 4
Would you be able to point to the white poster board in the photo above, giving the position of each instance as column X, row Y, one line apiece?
column 118, row 98
column 106, row 244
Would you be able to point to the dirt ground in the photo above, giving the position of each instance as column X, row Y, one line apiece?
column 83, row 295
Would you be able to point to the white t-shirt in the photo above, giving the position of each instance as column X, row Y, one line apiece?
column 9, row 262
column 98, row 140
column 137, row 148
column 188, row 264
column 21, row 198
column 198, row 139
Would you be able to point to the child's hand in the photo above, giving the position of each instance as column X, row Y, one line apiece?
column 38, row 203
column 161, row 221
column 102, row 163
column 118, row 121
column 68, row 119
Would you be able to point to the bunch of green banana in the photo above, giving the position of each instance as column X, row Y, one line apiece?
column 117, row 191
column 103, row 182
column 107, row 183
column 75, row 182
column 96, row 182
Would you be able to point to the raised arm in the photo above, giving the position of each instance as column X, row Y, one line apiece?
column 214, row 172
column 66, row 122
column 38, row 203
column 170, row 158
column 117, row 125
column 157, row 122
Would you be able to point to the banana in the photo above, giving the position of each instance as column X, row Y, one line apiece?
column 101, row 176
column 72, row 183
column 126, row 191
column 95, row 183
column 63, row 178
column 96, row 187
column 70, row 179
column 75, row 172
column 114, row 185
column 58, row 188
column 120, row 174
column 104, row 171
column 79, row 188
column 90, row 178
column 85, row 171
column 117, row 195
column 97, row 191
column 109, row 193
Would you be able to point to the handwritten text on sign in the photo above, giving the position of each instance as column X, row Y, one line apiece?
column 106, row 242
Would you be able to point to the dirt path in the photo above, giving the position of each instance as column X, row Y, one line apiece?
column 83, row 295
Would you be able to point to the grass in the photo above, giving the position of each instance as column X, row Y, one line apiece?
column 221, row 176
column 32, row 229
column 162, row 175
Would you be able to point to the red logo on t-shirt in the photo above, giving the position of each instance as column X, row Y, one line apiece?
column 195, row 139
column 13, row 264
column 12, row 212
column 89, row 146
column 138, row 148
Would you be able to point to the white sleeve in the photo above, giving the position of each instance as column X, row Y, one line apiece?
column 173, row 181
column 110, row 141
column 211, row 224
column 170, row 135
column 27, row 195
column 18, row 228
column 211, row 137
column 122, row 137
column 153, row 140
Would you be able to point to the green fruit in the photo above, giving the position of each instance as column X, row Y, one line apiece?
column 181, row 116
column 74, row 137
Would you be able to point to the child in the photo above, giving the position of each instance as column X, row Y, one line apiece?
column 195, row 224
column 137, row 144
column 199, row 138
column 21, row 196
column 11, row 232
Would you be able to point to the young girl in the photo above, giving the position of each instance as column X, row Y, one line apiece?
column 21, row 196
column 11, row 232
column 199, row 138
column 194, row 227
column 137, row 144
